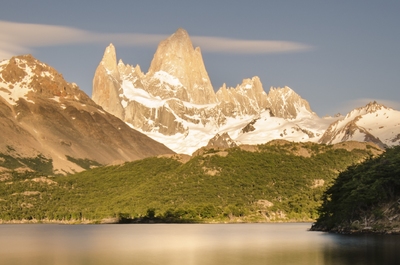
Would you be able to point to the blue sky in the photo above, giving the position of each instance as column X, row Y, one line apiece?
column 338, row 55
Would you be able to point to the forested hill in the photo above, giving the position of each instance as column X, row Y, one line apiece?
column 364, row 198
column 278, row 181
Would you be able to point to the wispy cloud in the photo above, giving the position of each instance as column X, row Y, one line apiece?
column 17, row 38
column 227, row 45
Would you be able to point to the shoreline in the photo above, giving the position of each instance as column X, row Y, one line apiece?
column 343, row 231
column 388, row 230
column 108, row 221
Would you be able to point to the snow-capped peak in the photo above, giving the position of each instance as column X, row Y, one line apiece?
column 373, row 122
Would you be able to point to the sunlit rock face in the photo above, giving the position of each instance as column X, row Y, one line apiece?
column 175, row 103
column 178, row 66
column 106, row 84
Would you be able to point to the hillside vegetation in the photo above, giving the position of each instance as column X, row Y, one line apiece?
column 278, row 181
column 365, row 197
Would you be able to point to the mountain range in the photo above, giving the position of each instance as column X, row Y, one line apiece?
column 50, row 125
column 174, row 103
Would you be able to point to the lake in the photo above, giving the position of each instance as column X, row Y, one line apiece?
column 189, row 244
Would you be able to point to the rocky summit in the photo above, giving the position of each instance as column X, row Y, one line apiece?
column 175, row 103
column 44, row 117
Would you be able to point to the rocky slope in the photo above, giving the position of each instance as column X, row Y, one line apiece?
column 175, row 103
column 42, row 115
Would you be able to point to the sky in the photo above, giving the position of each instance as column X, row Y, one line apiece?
column 338, row 55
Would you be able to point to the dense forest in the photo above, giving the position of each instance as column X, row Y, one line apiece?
column 279, row 181
column 365, row 197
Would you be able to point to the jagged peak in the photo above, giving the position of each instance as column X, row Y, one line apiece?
column 221, row 141
column 24, row 61
column 18, row 67
column 179, row 39
column 176, row 56
column 281, row 89
column 285, row 92
column 180, row 33
column 255, row 79
column 371, row 107
column 286, row 103
column 247, row 83
column 138, row 69
column 109, row 60
column 27, row 77
column 251, row 83
column 109, row 51
column 374, row 106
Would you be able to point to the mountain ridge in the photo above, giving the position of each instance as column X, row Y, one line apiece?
column 184, row 115
column 362, row 123
column 45, row 117
column 165, row 105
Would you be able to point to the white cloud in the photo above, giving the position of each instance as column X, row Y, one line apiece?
column 18, row 38
column 9, row 49
column 35, row 35
column 227, row 45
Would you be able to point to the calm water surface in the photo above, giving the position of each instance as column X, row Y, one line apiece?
column 188, row 244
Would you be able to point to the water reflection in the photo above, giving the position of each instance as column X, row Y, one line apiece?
column 362, row 249
column 190, row 244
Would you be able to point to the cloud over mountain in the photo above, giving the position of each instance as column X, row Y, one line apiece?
column 17, row 38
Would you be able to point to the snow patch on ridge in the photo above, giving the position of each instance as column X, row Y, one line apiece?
column 267, row 128
column 379, row 122
column 19, row 89
column 197, row 106
column 139, row 95
column 165, row 77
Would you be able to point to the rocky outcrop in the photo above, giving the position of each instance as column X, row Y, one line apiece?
column 180, row 68
column 107, row 83
column 221, row 141
column 43, row 115
column 285, row 103
column 248, row 98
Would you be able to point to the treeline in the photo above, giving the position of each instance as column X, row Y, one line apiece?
column 365, row 197
column 270, row 184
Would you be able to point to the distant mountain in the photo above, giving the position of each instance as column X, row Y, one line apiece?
column 372, row 123
column 45, row 120
column 174, row 102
